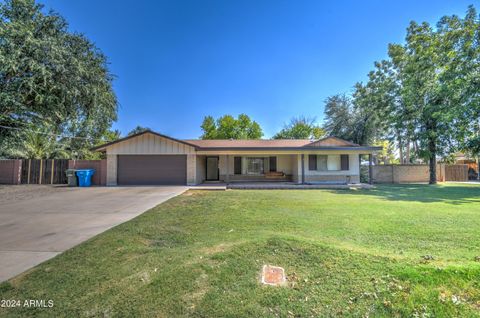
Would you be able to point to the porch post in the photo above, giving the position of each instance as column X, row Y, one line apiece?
column 303, row 168
column 370, row 172
column 227, row 173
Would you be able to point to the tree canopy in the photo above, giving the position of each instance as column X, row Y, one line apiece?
column 425, row 96
column 137, row 130
column 300, row 128
column 228, row 127
column 51, row 77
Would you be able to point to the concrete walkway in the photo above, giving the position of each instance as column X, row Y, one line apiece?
column 39, row 222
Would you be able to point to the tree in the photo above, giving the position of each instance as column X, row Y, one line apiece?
column 300, row 128
column 349, row 119
column 439, row 74
column 425, row 96
column 137, row 130
column 34, row 144
column 227, row 127
column 51, row 77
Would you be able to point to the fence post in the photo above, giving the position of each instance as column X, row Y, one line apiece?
column 51, row 174
column 40, row 175
column 29, row 167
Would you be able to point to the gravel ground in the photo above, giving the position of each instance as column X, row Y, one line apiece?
column 12, row 193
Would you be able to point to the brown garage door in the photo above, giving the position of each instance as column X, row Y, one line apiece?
column 152, row 169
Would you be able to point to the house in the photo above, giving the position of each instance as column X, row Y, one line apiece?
column 149, row 158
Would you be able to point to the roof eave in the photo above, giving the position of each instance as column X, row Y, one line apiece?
column 303, row 148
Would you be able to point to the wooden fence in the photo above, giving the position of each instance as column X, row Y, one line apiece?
column 100, row 166
column 48, row 171
column 456, row 172
column 10, row 171
column 40, row 171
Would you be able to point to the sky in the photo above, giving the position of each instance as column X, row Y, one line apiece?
column 176, row 61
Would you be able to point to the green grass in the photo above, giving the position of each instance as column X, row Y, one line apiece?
column 346, row 253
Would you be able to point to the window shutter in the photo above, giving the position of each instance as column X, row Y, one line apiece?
column 237, row 165
column 312, row 162
column 344, row 162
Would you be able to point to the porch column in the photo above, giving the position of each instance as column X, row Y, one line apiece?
column 111, row 170
column 227, row 173
column 303, row 168
column 370, row 172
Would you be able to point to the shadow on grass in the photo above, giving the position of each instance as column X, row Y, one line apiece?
column 451, row 194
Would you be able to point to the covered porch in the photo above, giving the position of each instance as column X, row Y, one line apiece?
column 308, row 168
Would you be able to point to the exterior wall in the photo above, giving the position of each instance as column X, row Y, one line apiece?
column 352, row 175
column 149, row 144
column 296, row 169
column 201, row 169
column 10, row 171
column 191, row 169
column 291, row 165
column 111, row 170
column 100, row 166
column 405, row 173
column 284, row 164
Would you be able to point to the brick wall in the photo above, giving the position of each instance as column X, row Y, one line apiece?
column 100, row 166
column 405, row 173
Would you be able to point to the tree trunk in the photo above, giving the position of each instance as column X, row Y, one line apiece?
column 407, row 151
column 400, row 147
column 432, row 149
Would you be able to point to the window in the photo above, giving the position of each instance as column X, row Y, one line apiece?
column 255, row 165
column 333, row 162
column 328, row 162
column 322, row 161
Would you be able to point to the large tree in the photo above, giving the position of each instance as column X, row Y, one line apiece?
column 348, row 119
column 228, row 127
column 426, row 95
column 439, row 70
column 50, row 76
column 300, row 128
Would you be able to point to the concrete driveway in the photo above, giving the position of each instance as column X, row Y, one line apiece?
column 39, row 222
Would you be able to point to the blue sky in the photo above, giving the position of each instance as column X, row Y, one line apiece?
column 177, row 61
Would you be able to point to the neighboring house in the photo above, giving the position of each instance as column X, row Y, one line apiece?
column 152, row 158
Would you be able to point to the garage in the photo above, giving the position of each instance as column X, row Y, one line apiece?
column 152, row 169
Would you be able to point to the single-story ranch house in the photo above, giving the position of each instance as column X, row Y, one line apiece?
column 150, row 158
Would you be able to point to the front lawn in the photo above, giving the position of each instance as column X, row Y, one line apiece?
column 394, row 250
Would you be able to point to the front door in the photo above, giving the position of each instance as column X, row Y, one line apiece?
column 212, row 168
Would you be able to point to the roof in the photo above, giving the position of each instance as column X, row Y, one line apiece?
column 148, row 131
column 327, row 143
column 261, row 143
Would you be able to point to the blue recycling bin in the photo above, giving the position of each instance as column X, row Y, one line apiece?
column 85, row 177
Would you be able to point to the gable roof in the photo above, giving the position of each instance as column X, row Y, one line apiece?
column 327, row 143
column 148, row 131
column 332, row 141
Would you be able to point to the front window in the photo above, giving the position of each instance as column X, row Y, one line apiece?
column 325, row 163
column 255, row 165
